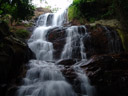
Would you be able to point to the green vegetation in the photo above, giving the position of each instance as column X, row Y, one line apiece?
column 124, row 38
column 17, row 9
column 22, row 33
column 99, row 9
column 90, row 9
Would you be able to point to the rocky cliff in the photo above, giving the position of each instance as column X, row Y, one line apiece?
column 14, row 54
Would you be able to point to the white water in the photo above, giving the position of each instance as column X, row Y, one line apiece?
column 73, row 38
column 53, row 19
column 38, row 44
column 86, row 88
column 43, row 77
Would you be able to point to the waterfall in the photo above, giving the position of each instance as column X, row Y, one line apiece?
column 86, row 88
column 60, row 18
column 44, row 77
column 74, row 38
column 53, row 19
column 38, row 44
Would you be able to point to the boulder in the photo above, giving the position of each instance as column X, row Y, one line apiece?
column 71, row 77
column 67, row 62
column 70, row 74
column 57, row 36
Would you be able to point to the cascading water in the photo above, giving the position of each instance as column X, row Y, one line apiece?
column 43, row 77
column 38, row 44
column 86, row 88
column 74, row 38
column 53, row 19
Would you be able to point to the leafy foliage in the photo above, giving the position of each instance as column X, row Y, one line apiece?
column 22, row 33
column 18, row 9
column 75, row 10
column 89, row 9
column 93, row 10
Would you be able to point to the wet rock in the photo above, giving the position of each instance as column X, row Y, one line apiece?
column 67, row 62
column 70, row 74
column 71, row 77
column 56, row 33
column 102, row 40
column 98, row 40
column 57, row 36
column 109, row 74
column 67, row 69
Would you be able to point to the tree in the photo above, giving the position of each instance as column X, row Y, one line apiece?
column 18, row 9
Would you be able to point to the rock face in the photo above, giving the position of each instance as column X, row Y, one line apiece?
column 70, row 74
column 107, row 66
column 58, row 37
column 100, row 40
column 14, row 54
column 109, row 74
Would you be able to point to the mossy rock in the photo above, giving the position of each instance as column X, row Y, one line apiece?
column 22, row 33
column 124, row 38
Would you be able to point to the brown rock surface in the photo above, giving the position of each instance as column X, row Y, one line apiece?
column 109, row 74
column 100, row 40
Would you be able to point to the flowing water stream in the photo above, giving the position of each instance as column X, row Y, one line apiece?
column 44, row 77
